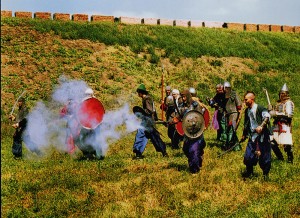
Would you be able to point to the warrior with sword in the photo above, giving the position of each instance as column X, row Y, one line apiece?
column 20, row 125
column 258, row 149
column 233, row 107
column 282, row 114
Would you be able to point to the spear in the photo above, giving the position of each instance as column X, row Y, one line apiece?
column 162, row 91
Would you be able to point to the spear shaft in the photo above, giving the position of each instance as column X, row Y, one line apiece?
column 162, row 92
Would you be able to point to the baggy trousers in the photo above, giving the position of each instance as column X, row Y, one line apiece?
column 194, row 151
column 264, row 160
column 141, row 140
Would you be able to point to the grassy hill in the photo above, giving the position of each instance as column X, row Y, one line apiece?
column 114, row 59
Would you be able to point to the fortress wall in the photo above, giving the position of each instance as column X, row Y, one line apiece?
column 166, row 22
column 150, row 21
column 275, row 28
column 153, row 21
column 251, row 27
column 263, row 27
column 288, row 29
column 23, row 14
column 61, row 16
column 196, row 23
column 42, row 15
column 80, row 17
column 130, row 20
column 102, row 18
column 236, row 26
column 6, row 13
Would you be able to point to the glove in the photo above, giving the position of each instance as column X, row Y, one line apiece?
column 270, row 107
column 272, row 113
column 11, row 117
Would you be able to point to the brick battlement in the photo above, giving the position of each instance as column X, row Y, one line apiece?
column 152, row 21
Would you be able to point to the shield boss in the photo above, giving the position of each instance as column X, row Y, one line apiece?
column 193, row 124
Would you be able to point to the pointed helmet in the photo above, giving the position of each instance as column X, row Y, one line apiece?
column 284, row 88
column 227, row 84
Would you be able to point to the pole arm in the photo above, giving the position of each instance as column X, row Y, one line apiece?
column 162, row 91
column 12, row 111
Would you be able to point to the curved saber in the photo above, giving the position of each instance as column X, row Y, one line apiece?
column 267, row 94
column 16, row 102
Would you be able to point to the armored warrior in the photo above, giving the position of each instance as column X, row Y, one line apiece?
column 282, row 115
column 218, row 103
column 233, row 106
column 174, row 120
column 193, row 125
column 204, row 108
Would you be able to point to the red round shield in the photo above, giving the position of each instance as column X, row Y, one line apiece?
column 90, row 113
column 206, row 118
column 179, row 128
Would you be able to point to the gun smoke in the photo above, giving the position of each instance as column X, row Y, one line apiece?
column 46, row 129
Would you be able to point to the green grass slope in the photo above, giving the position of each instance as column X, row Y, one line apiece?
column 114, row 59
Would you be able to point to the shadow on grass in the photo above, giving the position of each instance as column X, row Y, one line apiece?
column 179, row 167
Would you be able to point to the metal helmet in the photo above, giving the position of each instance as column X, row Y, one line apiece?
column 284, row 93
column 89, row 91
column 175, row 91
column 227, row 84
column 284, row 88
column 192, row 90
column 170, row 100
column 193, row 124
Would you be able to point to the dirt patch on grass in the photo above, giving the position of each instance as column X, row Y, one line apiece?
column 34, row 61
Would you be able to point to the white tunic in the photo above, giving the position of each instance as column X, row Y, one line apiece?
column 282, row 132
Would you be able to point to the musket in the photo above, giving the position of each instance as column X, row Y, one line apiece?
column 268, row 99
column 12, row 111
column 162, row 91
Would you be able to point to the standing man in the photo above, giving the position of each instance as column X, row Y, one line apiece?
column 193, row 148
column 233, row 107
column 218, row 103
column 174, row 119
column 164, row 105
column 148, row 131
column 73, row 129
column 19, row 125
column 282, row 114
column 255, row 129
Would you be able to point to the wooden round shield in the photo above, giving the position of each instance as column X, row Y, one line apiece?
column 193, row 124
column 90, row 113
column 138, row 109
column 179, row 128
column 206, row 117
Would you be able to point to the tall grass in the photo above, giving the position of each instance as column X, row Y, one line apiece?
column 278, row 51
column 59, row 185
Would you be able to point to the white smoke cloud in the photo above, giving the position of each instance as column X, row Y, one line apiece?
column 47, row 129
